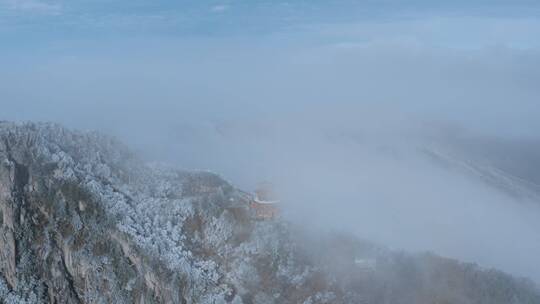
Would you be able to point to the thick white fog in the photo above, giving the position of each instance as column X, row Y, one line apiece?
column 342, row 128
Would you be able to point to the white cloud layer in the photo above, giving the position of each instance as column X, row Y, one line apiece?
column 220, row 8
column 32, row 6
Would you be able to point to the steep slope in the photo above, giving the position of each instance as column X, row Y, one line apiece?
column 82, row 220
column 486, row 172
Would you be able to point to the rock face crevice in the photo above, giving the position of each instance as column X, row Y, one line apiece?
column 14, row 195
column 83, row 220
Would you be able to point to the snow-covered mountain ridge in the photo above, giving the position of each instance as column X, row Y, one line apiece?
column 83, row 220
column 486, row 172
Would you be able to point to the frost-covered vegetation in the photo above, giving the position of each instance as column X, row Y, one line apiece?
column 83, row 220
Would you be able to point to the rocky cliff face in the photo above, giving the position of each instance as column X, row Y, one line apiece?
column 82, row 220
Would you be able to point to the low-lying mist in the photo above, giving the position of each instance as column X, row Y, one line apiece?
column 343, row 131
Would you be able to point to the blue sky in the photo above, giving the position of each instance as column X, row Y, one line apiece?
column 27, row 22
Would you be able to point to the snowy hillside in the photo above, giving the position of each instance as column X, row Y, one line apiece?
column 83, row 220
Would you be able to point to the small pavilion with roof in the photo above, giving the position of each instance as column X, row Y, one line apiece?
column 265, row 202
